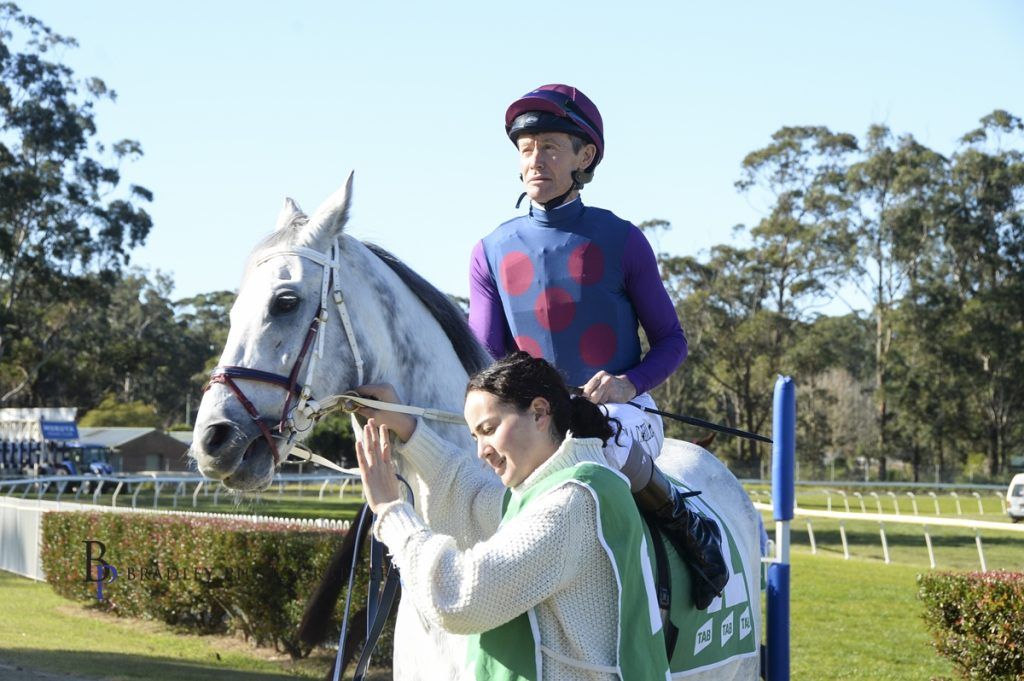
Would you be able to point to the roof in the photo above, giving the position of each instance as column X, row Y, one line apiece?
column 183, row 436
column 112, row 437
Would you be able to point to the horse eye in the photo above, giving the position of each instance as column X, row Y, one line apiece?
column 284, row 303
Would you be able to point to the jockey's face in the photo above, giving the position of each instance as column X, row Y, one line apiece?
column 547, row 161
column 514, row 443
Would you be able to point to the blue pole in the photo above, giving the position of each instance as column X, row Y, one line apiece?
column 783, row 493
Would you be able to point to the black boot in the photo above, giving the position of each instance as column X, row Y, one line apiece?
column 695, row 537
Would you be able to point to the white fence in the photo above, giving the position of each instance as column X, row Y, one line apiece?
column 94, row 485
column 21, row 521
column 881, row 518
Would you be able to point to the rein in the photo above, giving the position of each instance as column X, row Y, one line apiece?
column 286, row 427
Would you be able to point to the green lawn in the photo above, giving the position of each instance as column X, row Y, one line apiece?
column 851, row 619
column 858, row 619
column 42, row 631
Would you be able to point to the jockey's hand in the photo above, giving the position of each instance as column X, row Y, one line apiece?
column 605, row 387
column 380, row 482
column 402, row 424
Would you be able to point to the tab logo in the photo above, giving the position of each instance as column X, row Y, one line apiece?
column 727, row 627
column 104, row 572
column 703, row 638
column 746, row 626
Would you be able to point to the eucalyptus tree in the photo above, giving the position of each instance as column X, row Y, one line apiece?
column 66, row 221
column 888, row 222
column 982, row 226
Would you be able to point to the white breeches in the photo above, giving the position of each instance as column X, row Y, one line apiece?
column 637, row 426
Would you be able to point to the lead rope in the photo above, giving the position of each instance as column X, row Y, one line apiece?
column 379, row 601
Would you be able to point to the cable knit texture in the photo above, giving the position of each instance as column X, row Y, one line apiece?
column 548, row 556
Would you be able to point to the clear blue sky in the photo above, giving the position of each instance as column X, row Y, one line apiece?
column 239, row 104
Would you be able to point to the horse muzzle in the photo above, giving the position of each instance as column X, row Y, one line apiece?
column 240, row 459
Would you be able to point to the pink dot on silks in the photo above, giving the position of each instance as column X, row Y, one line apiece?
column 597, row 345
column 527, row 344
column 516, row 272
column 554, row 309
column 586, row 264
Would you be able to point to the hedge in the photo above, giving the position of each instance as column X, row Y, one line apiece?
column 206, row 575
column 977, row 621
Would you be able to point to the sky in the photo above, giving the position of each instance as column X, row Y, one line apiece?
column 240, row 104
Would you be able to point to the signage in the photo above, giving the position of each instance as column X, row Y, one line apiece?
column 59, row 430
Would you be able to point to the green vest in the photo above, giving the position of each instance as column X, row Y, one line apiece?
column 512, row 651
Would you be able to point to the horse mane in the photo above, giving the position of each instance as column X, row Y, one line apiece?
column 448, row 315
column 452, row 320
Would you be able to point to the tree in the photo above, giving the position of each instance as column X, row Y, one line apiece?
column 114, row 413
column 65, row 229
column 887, row 219
column 981, row 220
column 732, row 339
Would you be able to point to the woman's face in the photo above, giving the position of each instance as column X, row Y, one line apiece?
column 514, row 443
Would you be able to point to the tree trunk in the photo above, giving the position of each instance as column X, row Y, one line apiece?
column 916, row 461
column 993, row 450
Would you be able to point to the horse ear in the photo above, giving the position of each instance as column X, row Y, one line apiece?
column 330, row 218
column 289, row 211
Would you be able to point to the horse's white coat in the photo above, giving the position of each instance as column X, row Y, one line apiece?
column 701, row 470
column 404, row 345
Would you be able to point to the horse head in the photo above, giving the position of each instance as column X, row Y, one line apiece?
column 317, row 314
column 285, row 311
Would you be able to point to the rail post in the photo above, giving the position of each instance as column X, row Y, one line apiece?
column 783, row 494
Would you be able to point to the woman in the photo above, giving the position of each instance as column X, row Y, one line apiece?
column 548, row 567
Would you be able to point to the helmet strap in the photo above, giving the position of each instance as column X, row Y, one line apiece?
column 577, row 183
column 557, row 201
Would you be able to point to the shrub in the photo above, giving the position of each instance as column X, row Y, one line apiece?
column 204, row 574
column 977, row 621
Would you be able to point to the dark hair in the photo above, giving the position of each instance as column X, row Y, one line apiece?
column 519, row 378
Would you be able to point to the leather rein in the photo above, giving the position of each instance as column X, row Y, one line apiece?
column 306, row 411
column 298, row 390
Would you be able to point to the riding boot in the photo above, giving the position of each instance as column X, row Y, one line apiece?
column 695, row 537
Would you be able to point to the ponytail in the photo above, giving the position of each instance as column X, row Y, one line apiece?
column 586, row 419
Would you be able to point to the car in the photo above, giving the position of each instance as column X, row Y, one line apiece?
column 1015, row 498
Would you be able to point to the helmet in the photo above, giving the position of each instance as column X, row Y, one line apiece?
column 557, row 108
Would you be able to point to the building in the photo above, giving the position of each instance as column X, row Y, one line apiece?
column 139, row 449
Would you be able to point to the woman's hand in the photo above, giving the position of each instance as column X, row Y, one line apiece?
column 403, row 424
column 380, row 482
column 605, row 387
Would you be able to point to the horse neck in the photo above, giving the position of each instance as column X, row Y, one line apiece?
column 403, row 344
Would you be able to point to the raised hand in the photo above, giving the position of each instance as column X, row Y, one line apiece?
column 380, row 481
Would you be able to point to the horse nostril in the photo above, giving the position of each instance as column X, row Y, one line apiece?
column 216, row 435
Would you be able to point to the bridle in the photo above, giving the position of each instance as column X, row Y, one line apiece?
column 299, row 390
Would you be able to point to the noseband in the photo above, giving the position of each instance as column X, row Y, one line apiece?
column 300, row 391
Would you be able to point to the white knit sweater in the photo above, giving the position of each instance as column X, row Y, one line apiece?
column 548, row 556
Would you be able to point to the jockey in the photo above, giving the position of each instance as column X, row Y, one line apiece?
column 547, row 568
column 571, row 283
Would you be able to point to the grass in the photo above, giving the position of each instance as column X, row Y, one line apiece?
column 955, row 548
column 858, row 619
column 851, row 619
column 42, row 631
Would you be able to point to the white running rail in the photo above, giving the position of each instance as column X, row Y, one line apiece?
column 882, row 518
